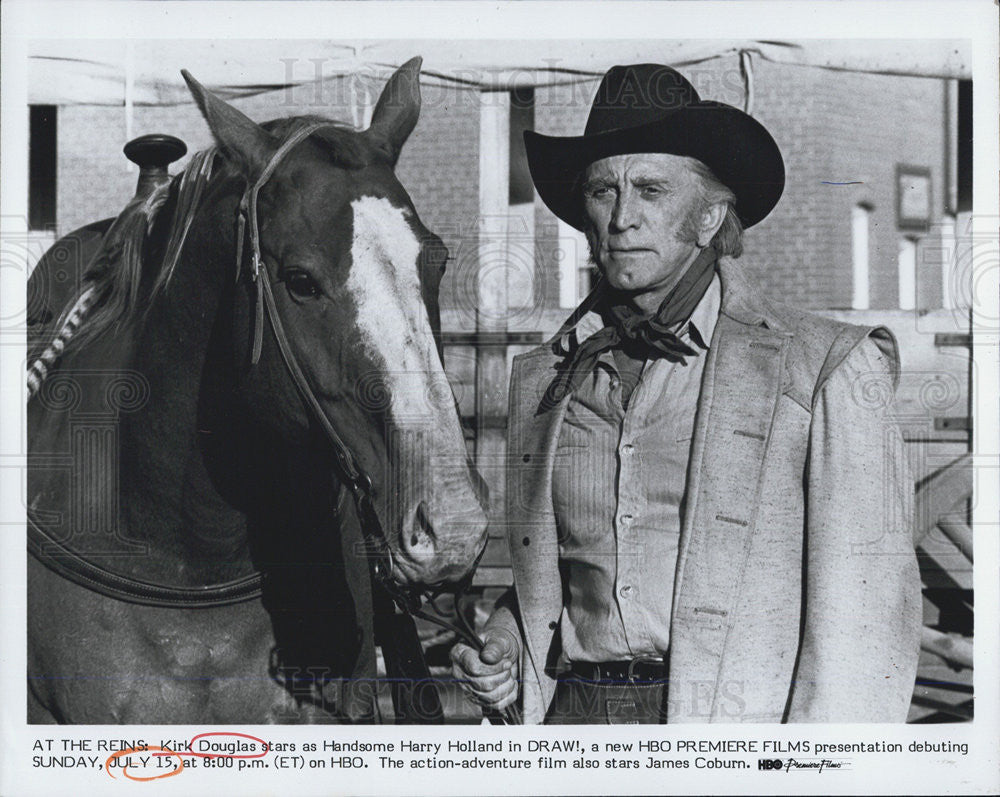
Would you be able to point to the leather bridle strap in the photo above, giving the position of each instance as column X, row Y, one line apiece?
column 360, row 485
column 248, row 218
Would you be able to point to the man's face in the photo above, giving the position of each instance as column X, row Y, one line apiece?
column 642, row 213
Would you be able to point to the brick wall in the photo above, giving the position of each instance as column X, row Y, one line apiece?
column 439, row 165
column 559, row 111
column 840, row 127
column 440, row 169
column 831, row 126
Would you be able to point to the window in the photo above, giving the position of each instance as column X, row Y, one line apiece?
column 964, row 145
column 860, row 224
column 522, row 117
column 907, row 264
column 575, row 270
column 521, row 199
column 42, row 167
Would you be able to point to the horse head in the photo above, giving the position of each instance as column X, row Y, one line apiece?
column 355, row 277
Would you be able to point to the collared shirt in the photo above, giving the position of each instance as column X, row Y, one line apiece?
column 618, row 485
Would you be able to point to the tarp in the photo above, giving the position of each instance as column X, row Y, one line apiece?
column 137, row 72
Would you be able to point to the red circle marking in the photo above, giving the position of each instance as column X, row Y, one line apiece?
column 262, row 743
column 149, row 748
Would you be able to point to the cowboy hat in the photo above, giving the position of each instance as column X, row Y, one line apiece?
column 643, row 108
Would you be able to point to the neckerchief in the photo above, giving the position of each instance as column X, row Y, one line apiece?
column 640, row 335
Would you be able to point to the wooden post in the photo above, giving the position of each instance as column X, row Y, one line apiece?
column 491, row 289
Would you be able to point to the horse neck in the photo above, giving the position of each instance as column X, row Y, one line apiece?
column 205, row 486
column 169, row 497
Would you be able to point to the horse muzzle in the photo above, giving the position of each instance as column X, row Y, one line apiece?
column 439, row 547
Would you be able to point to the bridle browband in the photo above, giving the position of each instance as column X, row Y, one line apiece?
column 408, row 599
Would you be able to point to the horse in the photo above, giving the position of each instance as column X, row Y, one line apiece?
column 196, row 436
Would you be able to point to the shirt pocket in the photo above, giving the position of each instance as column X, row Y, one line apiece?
column 573, row 436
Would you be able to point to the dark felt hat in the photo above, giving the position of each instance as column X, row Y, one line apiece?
column 652, row 108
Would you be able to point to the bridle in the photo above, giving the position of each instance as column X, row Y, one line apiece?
column 379, row 553
column 352, row 476
column 408, row 599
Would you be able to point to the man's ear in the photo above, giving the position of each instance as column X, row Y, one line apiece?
column 709, row 222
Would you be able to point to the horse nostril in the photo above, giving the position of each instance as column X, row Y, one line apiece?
column 423, row 523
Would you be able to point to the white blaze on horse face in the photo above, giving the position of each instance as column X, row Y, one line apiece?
column 385, row 285
column 428, row 495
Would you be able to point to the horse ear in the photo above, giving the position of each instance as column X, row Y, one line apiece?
column 398, row 108
column 239, row 137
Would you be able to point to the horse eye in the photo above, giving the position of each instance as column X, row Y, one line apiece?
column 301, row 284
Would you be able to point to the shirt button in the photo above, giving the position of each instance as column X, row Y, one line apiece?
column 625, row 519
column 628, row 448
column 626, row 591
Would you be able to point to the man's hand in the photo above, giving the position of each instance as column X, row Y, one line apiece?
column 489, row 676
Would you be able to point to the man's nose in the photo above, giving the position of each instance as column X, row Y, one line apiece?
column 625, row 214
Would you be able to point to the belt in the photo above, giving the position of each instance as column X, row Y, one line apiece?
column 642, row 669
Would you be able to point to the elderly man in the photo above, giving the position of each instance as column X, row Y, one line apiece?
column 708, row 506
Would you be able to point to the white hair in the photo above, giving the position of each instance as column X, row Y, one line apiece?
column 728, row 240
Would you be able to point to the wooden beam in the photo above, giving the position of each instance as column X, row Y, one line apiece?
column 493, row 577
column 492, row 338
column 953, row 339
column 959, row 533
column 952, row 648
column 963, row 710
column 484, row 422
column 960, row 423
column 944, row 571
column 940, row 493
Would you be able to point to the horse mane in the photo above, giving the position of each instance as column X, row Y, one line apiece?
column 112, row 295
column 110, row 288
